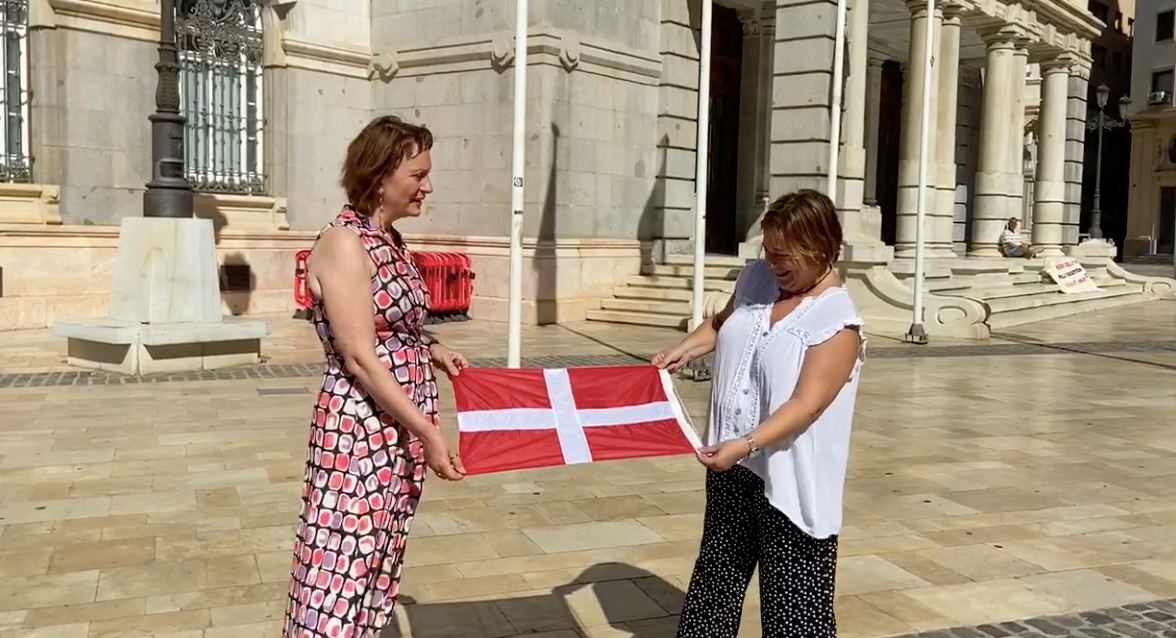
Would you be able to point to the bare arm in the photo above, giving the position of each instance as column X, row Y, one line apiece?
column 699, row 342
column 826, row 370
column 342, row 272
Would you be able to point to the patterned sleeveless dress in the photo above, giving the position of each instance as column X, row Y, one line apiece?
column 364, row 471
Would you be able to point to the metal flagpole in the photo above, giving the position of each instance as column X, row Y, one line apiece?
column 514, row 309
column 700, row 167
column 917, row 333
column 835, row 103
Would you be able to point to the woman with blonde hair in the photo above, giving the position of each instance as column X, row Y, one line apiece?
column 787, row 354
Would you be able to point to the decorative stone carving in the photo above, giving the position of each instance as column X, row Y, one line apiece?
column 383, row 66
column 1154, row 287
column 751, row 27
column 502, row 53
column 29, row 203
column 569, row 53
column 888, row 301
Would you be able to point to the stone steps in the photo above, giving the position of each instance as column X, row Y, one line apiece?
column 644, row 306
column 711, row 260
column 954, row 285
column 1023, row 311
column 679, row 283
column 728, row 273
column 1013, row 292
column 652, row 293
column 1034, row 290
column 639, row 318
column 661, row 296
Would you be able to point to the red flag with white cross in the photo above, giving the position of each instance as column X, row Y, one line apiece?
column 514, row 419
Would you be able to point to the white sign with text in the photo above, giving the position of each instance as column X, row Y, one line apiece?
column 1069, row 275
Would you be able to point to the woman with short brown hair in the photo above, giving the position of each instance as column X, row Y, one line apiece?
column 787, row 352
column 375, row 426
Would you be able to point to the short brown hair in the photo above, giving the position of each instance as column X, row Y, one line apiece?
column 807, row 225
column 375, row 153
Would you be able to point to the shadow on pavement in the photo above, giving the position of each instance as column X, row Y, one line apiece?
column 607, row 595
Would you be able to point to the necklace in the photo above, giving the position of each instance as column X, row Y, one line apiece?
column 801, row 293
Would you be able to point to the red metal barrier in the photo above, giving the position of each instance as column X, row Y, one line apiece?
column 449, row 279
column 447, row 275
column 302, row 298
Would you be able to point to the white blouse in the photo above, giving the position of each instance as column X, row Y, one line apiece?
column 756, row 370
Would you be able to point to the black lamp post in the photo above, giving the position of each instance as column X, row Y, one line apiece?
column 1103, row 123
column 168, row 193
column 1102, row 93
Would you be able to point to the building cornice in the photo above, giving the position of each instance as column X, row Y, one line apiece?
column 1049, row 27
column 334, row 58
column 1068, row 16
column 133, row 19
column 544, row 48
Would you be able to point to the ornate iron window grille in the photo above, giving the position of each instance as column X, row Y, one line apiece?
column 220, row 52
column 15, row 162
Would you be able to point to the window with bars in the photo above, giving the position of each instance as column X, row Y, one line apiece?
column 220, row 52
column 14, row 92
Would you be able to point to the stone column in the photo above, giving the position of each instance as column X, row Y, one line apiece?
column 908, row 166
column 873, row 105
column 754, row 125
column 862, row 223
column 767, row 80
column 1049, row 189
column 852, row 172
column 757, row 82
column 668, row 221
column 1075, row 144
column 941, row 219
column 800, row 104
column 990, row 210
column 1016, row 149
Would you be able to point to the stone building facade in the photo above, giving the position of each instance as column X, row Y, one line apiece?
column 1151, row 224
column 277, row 89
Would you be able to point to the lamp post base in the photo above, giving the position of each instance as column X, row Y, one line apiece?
column 697, row 370
column 916, row 334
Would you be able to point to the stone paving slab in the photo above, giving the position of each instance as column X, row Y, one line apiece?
column 1156, row 619
column 982, row 489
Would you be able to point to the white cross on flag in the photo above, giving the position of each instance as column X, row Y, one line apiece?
column 514, row 419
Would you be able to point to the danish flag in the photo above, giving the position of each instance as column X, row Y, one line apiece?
column 514, row 419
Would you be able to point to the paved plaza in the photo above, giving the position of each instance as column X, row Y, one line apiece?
column 1030, row 478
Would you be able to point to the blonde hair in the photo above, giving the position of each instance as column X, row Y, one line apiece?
column 806, row 224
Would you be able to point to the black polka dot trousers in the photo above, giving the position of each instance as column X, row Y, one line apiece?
column 740, row 531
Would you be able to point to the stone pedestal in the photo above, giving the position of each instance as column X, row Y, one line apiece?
column 1092, row 248
column 165, row 307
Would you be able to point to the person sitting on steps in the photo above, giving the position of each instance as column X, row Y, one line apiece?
column 1011, row 243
